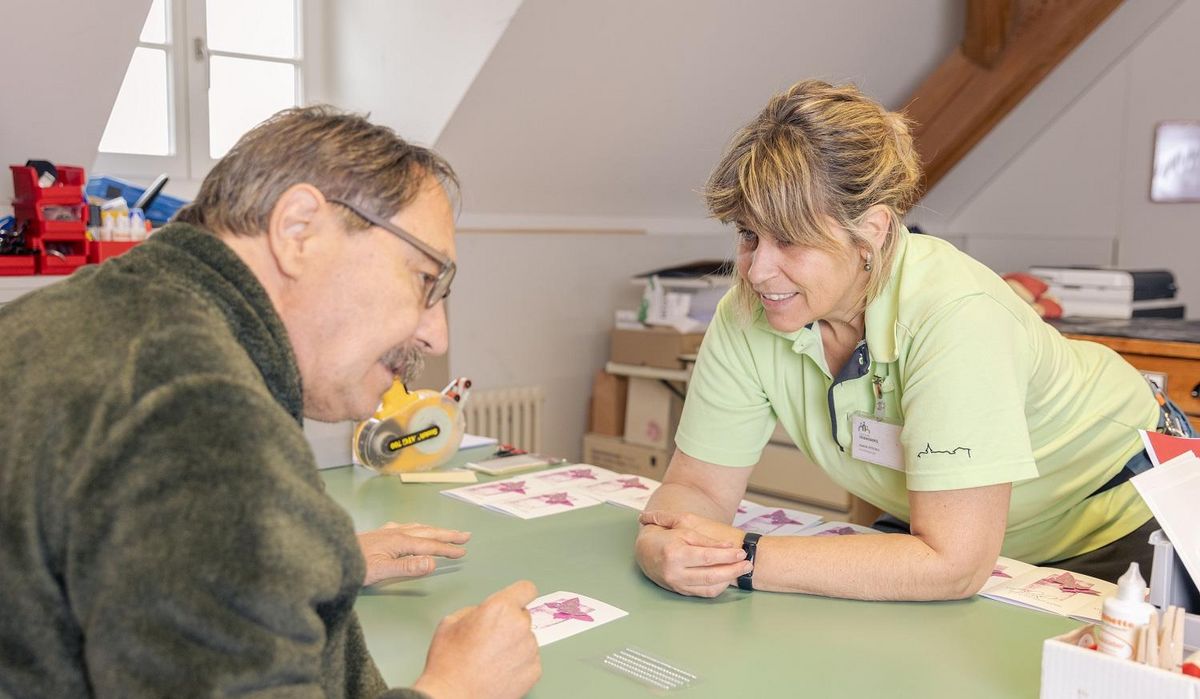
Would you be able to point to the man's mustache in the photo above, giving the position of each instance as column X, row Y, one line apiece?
column 406, row 362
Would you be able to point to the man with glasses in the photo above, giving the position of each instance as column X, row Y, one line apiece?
column 163, row 529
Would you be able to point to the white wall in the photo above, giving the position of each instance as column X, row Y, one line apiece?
column 1077, row 189
column 537, row 309
column 409, row 62
column 1162, row 81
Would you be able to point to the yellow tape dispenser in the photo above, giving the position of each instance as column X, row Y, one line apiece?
column 413, row 430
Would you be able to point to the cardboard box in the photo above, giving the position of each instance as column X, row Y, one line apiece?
column 1070, row 671
column 606, row 414
column 651, row 413
column 618, row 455
column 657, row 347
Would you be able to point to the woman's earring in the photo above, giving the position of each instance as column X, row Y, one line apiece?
column 867, row 266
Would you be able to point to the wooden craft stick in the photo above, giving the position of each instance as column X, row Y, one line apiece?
column 1152, row 641
column 1166, row 652
column 1177, row 632
column 1165, row 637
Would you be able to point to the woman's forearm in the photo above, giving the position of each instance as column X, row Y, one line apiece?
column 865, row 566
column 683, row 497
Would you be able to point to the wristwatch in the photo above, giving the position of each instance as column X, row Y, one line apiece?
column 750, row 546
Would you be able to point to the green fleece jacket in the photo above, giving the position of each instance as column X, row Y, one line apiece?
column 163, row 528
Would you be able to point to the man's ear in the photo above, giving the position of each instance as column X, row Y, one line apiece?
column 290, row 230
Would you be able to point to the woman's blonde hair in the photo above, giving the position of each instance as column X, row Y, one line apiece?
column 815, row 151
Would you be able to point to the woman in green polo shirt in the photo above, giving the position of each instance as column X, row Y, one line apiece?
column 911, row 373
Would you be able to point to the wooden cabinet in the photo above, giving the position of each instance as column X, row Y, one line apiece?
column 783, row 471
column 1177, row 362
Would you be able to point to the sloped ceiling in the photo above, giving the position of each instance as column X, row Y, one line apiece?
column 63, row 65
column 408, row 62
column 617, row 110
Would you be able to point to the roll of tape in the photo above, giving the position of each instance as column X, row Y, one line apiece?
column 423, row 433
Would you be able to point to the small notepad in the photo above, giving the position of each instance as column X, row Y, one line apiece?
column 453, row 476
column 504, row 465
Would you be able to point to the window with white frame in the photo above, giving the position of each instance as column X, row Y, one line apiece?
column 203, row 73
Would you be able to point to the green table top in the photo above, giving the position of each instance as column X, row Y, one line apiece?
column 739, row 644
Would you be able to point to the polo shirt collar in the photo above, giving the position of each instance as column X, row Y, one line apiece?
column 801, row 339
column 883, row 313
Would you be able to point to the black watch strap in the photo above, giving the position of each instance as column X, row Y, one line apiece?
column 750, row 546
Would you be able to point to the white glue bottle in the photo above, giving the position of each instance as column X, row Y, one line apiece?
column 1123, row 614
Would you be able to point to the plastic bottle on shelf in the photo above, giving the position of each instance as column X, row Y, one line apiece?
column 1123, row 613
column 137, row 224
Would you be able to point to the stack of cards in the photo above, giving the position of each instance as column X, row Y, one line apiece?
column 1047, row 589
column 558, row 490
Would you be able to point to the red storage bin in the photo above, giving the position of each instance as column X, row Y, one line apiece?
column 17, row 265
column 60, row 256
column 101, row 250
column 67, row 190
column 44, row 223
column 53, row 264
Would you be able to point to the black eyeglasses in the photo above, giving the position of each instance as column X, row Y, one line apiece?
column 439, row 286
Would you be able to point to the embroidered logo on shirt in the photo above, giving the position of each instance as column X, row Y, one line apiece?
column 930, row 450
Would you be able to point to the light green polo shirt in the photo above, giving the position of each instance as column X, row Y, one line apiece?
column 986, row 391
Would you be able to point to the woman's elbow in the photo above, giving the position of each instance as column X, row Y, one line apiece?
column 965, row 581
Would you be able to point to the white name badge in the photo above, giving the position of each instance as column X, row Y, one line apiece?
column 875, row 441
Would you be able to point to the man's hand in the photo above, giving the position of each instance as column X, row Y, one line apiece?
column 486, row 651
column 689, row 554
column 405, row 551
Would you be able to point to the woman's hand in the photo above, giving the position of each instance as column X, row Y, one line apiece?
column 689, row 554
column 406, row 551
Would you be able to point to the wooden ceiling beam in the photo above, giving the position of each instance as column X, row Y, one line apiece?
column 988, row 24
column 962, row 99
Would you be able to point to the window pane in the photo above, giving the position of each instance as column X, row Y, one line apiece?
column 243, row 92
column 155, row 29
column 262, row 27
column 140, row 119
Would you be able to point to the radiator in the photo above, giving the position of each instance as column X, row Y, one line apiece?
column 511, row 415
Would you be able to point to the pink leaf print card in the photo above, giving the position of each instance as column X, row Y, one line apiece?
column 561, row 614
column 495, row 491
column 777, row 521
column 837, row 529
column 571, row 476
column 546, row 502
column 627, row 491
column 1053, row 590
column 1005, row 571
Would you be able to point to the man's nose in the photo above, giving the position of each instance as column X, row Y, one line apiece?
column 433, row 332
